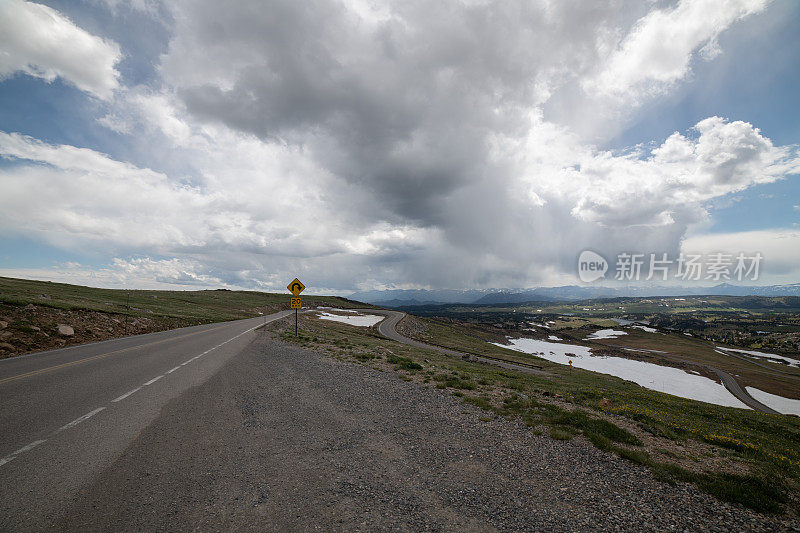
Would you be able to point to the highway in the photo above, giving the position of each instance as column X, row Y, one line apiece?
column 388, row 328
column 222, row 428
column 66, row 414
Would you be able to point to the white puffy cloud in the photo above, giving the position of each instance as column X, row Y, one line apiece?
column 658, row 50
column 79, row 194
column 39, row 41
column 670, row 182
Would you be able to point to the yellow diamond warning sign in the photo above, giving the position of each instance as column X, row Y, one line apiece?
column 296, row 287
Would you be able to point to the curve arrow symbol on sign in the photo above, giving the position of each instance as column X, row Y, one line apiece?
column 296, row 287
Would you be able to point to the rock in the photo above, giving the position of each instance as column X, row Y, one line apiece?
column 30, row 307
column 3, row 324
column 36, row 328
column 5, row 334
column 7, row 347
column 605, row 403
column 65, row 330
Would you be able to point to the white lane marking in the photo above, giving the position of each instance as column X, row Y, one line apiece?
column 80, row 419
column 153, row 380
column 196, row 357
column 10, row 457
column 137, row 389
column 29, row 447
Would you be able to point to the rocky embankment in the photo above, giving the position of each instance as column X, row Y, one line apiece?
column 34, row 328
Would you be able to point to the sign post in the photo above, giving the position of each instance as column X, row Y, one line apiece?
column 295, row 287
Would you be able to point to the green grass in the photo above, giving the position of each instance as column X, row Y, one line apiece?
column 752, row 491
column 595, row 426
column 600, row 442
column 637, row 456
column 191, row 306
column 404, row 363
column 561, row 434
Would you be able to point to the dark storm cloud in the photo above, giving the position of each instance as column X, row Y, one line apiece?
column 405, row 106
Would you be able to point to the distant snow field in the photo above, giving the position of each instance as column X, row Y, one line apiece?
column 762, row 355
column 646, row 328
column 353, row 320
column 660, row 378
column 606, row 334
column 787, row 406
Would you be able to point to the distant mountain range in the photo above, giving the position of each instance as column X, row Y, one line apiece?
column 402, row 298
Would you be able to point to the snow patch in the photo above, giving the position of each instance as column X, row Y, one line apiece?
column 606, row 334
column 357, row 320
column 655, row 377
column 787, row 406
column 762, row 355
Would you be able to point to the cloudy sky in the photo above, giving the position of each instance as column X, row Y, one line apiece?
column 363, row 144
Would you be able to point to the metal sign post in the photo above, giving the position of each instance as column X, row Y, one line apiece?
column 295, row 287
column 295, row 303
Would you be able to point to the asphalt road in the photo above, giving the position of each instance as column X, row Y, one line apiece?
column 388, row 328
column 737, row 390
column 66, row 414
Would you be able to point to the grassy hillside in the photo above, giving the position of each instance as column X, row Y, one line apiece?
column 207, row 305
column 33, row 310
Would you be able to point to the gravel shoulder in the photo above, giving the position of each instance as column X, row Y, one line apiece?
column 284, row 439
